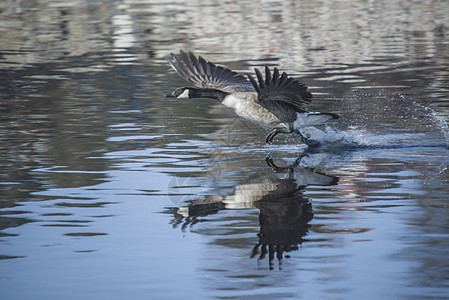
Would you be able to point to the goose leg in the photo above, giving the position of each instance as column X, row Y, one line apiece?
column 274, row 132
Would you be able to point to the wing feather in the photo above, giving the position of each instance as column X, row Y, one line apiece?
column 282, row 89
column 205, row 74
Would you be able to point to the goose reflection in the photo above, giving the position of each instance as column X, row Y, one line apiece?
column 277, row 192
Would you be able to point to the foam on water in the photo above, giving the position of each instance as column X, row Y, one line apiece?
column 335, row 137
column 332, row 138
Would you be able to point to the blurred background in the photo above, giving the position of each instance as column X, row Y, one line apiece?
column 109, row 190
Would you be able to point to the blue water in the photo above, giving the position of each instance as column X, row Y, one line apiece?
column 108, row 190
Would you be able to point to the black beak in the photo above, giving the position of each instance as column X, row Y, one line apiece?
column 169, row 95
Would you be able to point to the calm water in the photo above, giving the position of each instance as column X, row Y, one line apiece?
column 110, row 191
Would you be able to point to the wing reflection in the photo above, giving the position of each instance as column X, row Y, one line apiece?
column 277, row 192
column 283, row 224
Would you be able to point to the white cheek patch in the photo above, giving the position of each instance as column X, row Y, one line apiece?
column 184, row 95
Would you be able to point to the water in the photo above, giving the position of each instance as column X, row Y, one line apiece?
column 109, row 190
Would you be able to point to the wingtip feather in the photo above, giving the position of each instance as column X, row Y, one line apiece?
column 259, row 78
column 254, row 83
column 267, row 76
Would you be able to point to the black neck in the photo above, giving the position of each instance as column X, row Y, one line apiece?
column 208, row 93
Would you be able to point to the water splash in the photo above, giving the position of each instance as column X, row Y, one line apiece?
column 383, row 121
column 333, row 137
column 440, row 122
column 337, row 139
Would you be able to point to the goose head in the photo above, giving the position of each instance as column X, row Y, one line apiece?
column 183, row 93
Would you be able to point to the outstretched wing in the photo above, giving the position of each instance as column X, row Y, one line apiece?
column 205, row 74
column 282, row 89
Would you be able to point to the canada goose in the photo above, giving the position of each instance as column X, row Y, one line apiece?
column 276, row 104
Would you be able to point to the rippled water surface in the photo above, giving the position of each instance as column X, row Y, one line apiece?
column 110, row 191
